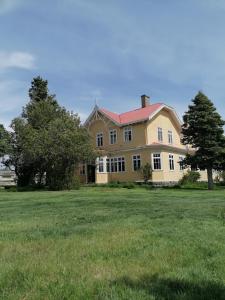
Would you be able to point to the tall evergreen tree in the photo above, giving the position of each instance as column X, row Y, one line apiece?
column 4, row 141
column 203, row 130
column 48, row 141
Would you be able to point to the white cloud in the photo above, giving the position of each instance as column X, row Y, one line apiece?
column 16, row 59
column 13, row 96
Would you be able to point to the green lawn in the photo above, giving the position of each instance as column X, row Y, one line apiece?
column 102, row 243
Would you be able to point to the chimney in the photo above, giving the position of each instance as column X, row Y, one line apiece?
column 144, row 101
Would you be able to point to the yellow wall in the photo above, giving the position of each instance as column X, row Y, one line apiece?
column 145, row 138
column 164, row 120
column 138, row 133
column 146, row 156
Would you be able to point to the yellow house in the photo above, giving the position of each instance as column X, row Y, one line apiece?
column 126, row 142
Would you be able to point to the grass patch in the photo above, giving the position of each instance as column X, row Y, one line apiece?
column 104, row 243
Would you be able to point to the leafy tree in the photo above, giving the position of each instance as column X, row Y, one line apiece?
column 48, row 142
column 4, row 141
column 203, row 130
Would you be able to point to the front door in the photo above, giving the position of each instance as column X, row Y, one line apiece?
column 91, row 173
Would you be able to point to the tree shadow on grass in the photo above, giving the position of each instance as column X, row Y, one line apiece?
column 174, row 289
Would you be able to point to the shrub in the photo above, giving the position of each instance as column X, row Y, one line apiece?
column 128, row 185
column 190, row 177
column 146, row 172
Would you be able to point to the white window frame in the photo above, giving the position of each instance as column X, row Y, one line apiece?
column 128, row 128
column 97, row 137
column 181, row 167
column 134, row 158
column 111, row 134
column 101, row 161
column 171, row 162
column 160, row 134
column 160, row 156
column 170, row 137
column 117, row 163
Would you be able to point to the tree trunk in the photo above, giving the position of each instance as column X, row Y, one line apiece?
column 210, row 178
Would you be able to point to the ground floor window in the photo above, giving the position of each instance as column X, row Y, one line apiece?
column 157, row 165
column 82, row 169
column 101, row 165
column 181, row 163
column 136, row 162
column 115, row 164
column 171, row 162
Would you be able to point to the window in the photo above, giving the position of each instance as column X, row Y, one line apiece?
column 160, row 134
column 127, row 134
column 171, row 162
column 136, row 162
column 112, row 136
column 182, row 167
column 170, row 137
column 100, row 165
column 157, row 161
column 115, row 164
column 82, row 169
column 99, row 139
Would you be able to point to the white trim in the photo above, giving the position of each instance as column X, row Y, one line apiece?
column 170, row 131
column 131, row 129
column 158, row 130
column 100, row 132
column 160, row 153
column 113, row 129
column 171, row 154
column 133, row 162
column 96, row 108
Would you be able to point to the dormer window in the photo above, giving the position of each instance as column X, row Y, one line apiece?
column 112, row 136
column 160, row 134
column 170, row 137
column 127, row 134
column 99, row 139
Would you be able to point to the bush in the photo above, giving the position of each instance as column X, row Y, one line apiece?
column 190, row 177
column 128, row 185
column 76, row 183
column 146, row 172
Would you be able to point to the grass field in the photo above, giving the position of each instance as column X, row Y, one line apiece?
column 102, row 243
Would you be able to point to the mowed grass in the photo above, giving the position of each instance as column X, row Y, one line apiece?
column 102, row 243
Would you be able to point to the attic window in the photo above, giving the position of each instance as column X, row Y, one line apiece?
column 99, row 139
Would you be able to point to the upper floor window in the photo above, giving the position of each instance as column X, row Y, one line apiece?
column 113, row 136
column 157, row 161
column 127, row 134
column 160, row 134
column 99, row 139
column 136, row 162
column 170, row 137
column 171, row 162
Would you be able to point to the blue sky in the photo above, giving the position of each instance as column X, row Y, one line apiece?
column 112, row 51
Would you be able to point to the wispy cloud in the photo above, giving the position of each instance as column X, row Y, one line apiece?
column 8, row 5
column 16, row 59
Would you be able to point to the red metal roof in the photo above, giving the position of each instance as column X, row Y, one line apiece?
column 134, row 115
